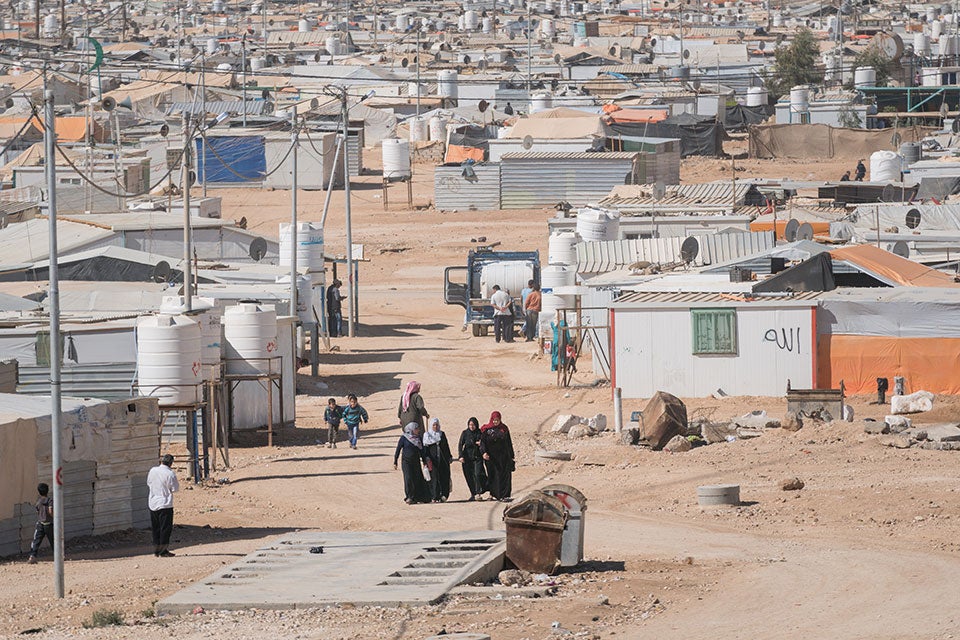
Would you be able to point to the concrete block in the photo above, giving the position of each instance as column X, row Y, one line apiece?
column 897, row 441
column 598, row 422
column 897, row 424
column 948, row 432
column 876, row 428
column 564, row 422
column 914, row 403
column 678, row 444
column 714, row 432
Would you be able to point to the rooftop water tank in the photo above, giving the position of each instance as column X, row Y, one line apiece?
column 921, row 44
column 799, row 99
column 396, row 158
column 438, row 128
column 930, row 77
column 540, row 102
column 910, row 152
column 50, row 23
column 864, row 77
column 418, row 129
column 303, row 25
column 169, row 359
column 777, row 19
column 309, row 246
column 562, row 248
column 936, row 28
column 212, row 45
column 258, row 63
column 304, row 297
column 447, row 84
column 471, row 20
column 511, row 275
column 557, row 276
column 487, row 25
column 548, row 28
column 402, row 23
column 218, row 6
column 209, row 315
column 756, row 97
column 598, row 224
column 884, row 166
column 250, row 339
column 333, row 45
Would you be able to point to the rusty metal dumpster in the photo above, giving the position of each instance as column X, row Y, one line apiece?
column 535, row 527
column 571, row 549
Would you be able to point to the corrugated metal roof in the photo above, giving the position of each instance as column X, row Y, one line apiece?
column 253, row 107
column 630, row 69
column 599, row 257
column 583, row 155
column 710, row 297
column 722, row 193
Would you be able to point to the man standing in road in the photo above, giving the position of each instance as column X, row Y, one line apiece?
column 502, row 314
column 162, row 482
column 531, row 312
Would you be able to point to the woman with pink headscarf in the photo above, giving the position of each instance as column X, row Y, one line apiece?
column 497, row 449
column 411, row 406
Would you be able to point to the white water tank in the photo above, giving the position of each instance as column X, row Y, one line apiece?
column 564, row 8
column 936, row 28
column 402, row 23
column 418, row 129
column 212, row 45
column 209, row 315
column 557, row 276
column 471, row 20
column 218, row 6
column 598, row 224
column 487, row 25
column 303, row 25
column 511, row 275
column 438, row 128
column 540, row 102
column 884, row 166
column 932, row 13
column 396, row 158
column 549, row 305
column 949, row 45
column 777, row 19
column 50, row 25
column 250, row 339
column 258, row 63
column 799, row 99
column 864, row 77
column 309, row 246
column 169, row 359
column 548, row 28
column 562, row 249
column 921, row 44
column 460, row 23
column 756, row 97
column 832, row 23
column 447, row 84
column 414, row 90
column 930, row 77
column 304, row 297
column 333, row 45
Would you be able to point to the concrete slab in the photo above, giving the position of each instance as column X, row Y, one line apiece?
column 384, row 569
column 942, row 432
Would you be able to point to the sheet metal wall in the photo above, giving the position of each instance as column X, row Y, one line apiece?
column 314, row 161
column 653, row 352
column 8, row 376
column 107, row 450
column 535, row 180
column 454, row 192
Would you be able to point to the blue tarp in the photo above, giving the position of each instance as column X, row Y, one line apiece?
column 231, row 159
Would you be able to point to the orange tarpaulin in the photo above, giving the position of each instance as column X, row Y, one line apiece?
column 456, row 153
column 819, row 228
column 639, row 115
column 925, row 363
column 892, row 267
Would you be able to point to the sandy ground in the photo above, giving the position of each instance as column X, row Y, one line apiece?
column 868, row 549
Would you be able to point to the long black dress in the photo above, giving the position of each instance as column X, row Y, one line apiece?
column 496, row 442
column 439, row 454
column 469, row 451
column 414, row 486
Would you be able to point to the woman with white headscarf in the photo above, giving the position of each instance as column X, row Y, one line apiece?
column 438, row 450
column 413, row 456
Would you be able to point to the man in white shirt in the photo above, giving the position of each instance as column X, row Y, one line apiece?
column 502, row 314
column 162, row 482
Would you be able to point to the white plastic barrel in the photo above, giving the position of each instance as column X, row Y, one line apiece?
column 511, row 275
column 936, row 28
column 598, row 224
column 333, row 45
column 309, row 246
column 487, row 25
column 562, row 249
column 258, row 63
column 541, row 102
column 756, row 96
column 864, row 77
column 169, row 359
column 548, row 28
column 209, row 315
column 800, row 99
column 557, row 276
column 212, row 45
column 447, row 84
column 250, row 338
column 303, row 25
column 438, row 128
column 402, row 23
column 418, row 129
column 304, row 296
column 921, row 44
column 471, row 20
column 396, row 158
column 884, row 166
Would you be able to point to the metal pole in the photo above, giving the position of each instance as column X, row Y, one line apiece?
column 529, row 52
column 203, row 118
column 243, row 74
column 617, row 410
column 418, row 72
column 293, row 213
column 326, row 200
column 351, row 328
column 187, row 239
column 54, row 297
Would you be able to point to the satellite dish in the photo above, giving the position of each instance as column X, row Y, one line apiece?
column 191, row 178
column 466, row 59
column 314, row 103
column 482, row 106
column 482, row 64
column 8, row 103
column 900, row 248
column 316, row 57
column 404, row 62
column 913, row 218
column 790, row 231
column 895, row 140
column 258, row 249
column 265, row 94
column 161, row 272
column 805, row 232
column 164, row 130
column 686, row 54
column 527, row 142
column 653, row 42
column 762, row 45
column 889, row 194
column 557, row 58
column 689, row 250
column 659, row 191
column 290, row 46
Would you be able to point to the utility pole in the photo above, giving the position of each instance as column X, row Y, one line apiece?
column 203, row 117
column 50, row 142
column 418, row 72
column 529, row 52
column 376, row 23
column 36, row 17
column 63, row 22
column 263, row 24
column 187, row 235
column 243, row 75
column 294, row 140
column 123, row 24
column 351, row 285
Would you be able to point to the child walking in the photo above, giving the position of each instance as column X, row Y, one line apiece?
column 44, row 522
column 352, row 415
column 332, row 416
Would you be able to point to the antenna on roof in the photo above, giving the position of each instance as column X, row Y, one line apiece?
column 258, row 249
column 689, row 249
column 527, row 142
column 900, row 248
column 805, row 231
column 161, row 272
column 790, row 231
